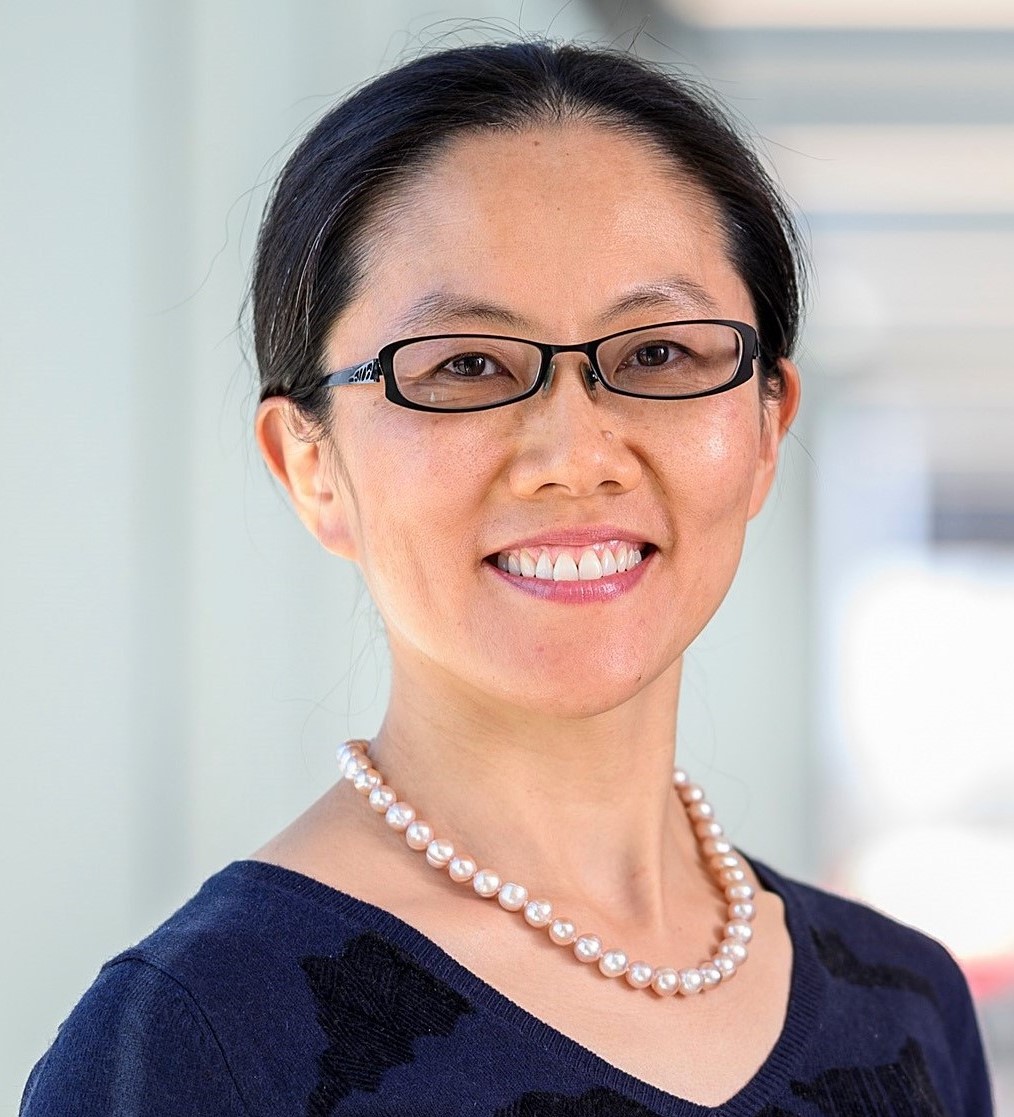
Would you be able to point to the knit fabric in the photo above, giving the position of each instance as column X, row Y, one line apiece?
column 270, row 994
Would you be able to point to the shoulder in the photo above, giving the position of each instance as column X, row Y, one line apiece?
column 194, row 1001
column 242, row 946
column 845, row 931
column 892, row 988
column 136, row 1043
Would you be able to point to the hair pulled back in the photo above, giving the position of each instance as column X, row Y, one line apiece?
column 311, row 247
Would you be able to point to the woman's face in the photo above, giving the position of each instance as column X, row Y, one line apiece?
column 558, row 234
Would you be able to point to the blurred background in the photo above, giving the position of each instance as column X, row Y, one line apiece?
column 179, row 658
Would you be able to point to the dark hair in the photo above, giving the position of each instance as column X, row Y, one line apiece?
column 311, row 245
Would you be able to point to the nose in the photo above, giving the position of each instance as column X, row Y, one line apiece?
column 572, row 436
column 583, row 365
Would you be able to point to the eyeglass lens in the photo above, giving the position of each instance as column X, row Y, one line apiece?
column 659, row 361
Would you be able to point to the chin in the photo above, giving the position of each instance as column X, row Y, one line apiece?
column 575, row 692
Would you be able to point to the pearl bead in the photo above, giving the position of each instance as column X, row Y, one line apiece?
column 354, row 761
column 711, row 974
column 726, row 863
column 692, row 793
column 734, row 949
column 439, row 852
column 562, row 932
column 665, row 982
column 613, row 963
column 709, row 828
column 538, row 913
column 587, row 948
column 366, row 779
column 512, row 897
column 418, row 835
column 679, row 777
column 346, row 749
column 701, row 812
column 738, row 929
column 382, row 797
column 739, row 892
column 461, row 869
column 691, row 982
column 743, row 909
column 732, row 876
column 716, row 847
column 486, row 883
column 639, row 975
column 399, row 815
column 725, row 965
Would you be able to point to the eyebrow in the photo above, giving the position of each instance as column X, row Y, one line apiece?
column 443, row 308
column 678, row 291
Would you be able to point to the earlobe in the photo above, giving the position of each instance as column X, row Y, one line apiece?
column 778, row 417
column 299, row 461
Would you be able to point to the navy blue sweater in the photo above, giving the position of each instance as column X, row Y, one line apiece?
column 270, row 994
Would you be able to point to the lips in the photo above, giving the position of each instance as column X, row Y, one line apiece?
column 589, row 562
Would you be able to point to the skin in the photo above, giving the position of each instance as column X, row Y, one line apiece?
column 558, row 718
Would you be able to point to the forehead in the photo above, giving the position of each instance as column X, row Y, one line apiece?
column 568, row 227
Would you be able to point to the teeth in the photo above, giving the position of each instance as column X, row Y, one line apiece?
column 592, row 564
column 565, row 569
column 589, row 567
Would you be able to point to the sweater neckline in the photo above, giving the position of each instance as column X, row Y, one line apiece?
column 807, row 990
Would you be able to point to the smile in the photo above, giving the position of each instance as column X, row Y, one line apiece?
column 572, row 564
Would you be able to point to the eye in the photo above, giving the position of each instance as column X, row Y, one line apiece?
column 472, row 365
column 660, row 353
column 656, row 354
column 671, row 360
column 465, row 371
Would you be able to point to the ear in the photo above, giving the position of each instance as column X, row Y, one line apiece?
column 776, row 419
column 305, row 466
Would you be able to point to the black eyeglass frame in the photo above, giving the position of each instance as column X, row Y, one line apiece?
column 381, row 367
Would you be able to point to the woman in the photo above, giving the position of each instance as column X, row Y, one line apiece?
column 542, row 918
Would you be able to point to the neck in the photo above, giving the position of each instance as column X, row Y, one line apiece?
column 578, row 807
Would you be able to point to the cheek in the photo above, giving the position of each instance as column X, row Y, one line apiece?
column 712, row 461
column 419, row 485
column 711, row 470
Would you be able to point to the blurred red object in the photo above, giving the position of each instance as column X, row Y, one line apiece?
column 990, row 977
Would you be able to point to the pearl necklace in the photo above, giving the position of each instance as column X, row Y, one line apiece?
column 726, row 869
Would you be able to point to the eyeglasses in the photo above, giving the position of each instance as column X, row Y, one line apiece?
column 474, row 372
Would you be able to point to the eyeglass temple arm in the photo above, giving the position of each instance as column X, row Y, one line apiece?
column 366, row 373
